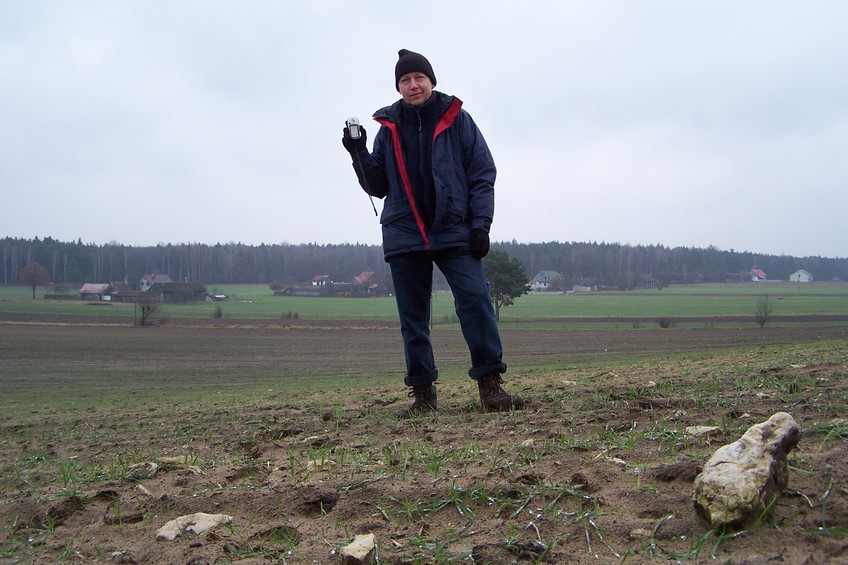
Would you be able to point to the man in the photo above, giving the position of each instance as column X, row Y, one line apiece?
column 433, row 167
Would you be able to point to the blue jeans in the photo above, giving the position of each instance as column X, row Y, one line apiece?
column 412, row 274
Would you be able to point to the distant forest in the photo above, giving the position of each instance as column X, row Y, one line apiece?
column 611, row 265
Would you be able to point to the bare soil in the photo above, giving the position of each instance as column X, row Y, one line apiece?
column 597, row 469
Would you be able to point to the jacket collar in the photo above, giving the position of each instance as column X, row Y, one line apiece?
column 393, row 113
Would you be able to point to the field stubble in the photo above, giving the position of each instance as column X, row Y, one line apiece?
column 292, row 430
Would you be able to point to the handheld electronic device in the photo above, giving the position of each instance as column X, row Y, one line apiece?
column 353, row 128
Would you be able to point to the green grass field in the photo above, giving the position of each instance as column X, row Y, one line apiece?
column 692, row 301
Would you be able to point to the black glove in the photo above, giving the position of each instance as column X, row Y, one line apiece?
column 354, row 145
column 479, row 243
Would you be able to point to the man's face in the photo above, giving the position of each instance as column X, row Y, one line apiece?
column 415, row 88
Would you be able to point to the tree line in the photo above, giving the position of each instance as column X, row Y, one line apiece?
column 611, row 265
column 623, row 266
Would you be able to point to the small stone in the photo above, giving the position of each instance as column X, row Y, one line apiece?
column 639, row 533
column 617, row 461
column 698, row 431
column 139, row 471
column 320, row 464
column 191, row 524
column 124, row 557
column 181, row 462
column 360, row 551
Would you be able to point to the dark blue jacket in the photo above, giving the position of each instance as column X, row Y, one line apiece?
column 463, row 174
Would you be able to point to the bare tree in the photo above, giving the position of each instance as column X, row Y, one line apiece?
column 35, row 275
column 146, row 308
column 762, row 311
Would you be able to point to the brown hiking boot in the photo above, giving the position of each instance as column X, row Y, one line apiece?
column 425, row 400
column 494, row 397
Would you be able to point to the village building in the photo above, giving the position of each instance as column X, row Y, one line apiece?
column 801, row 276
column 149, row 280
column 132, row 296
column 648, row 281
column 178, row 292
column 367, row 283
column 757, row 275
column 96, row 291
column 583, row 286
column 321, row 280
column 546, row 281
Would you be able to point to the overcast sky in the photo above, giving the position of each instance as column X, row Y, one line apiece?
column 689, row 123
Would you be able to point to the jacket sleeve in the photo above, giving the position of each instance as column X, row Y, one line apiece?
column 370, row 167
column 480, row 172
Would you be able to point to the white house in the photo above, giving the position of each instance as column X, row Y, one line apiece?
column 546, row 280
column 801, row 276
column 153, row 278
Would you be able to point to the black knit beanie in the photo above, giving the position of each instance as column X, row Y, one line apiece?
column 409, row 61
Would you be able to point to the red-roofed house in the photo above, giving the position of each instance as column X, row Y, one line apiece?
column 367, row 280
column 364, row 277
column 757, row 274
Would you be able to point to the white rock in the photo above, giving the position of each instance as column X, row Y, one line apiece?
column 742, row 479
column 703, row 430
column 191, row 524
column 359, row 551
